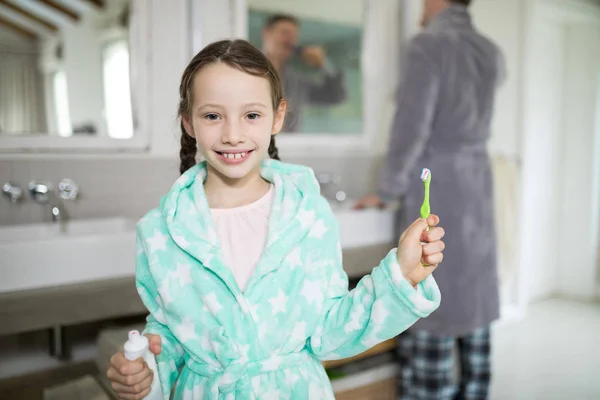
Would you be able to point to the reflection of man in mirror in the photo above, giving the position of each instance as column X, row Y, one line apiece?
column 280, row 45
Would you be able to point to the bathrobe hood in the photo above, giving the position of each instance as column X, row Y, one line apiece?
column 187, row 215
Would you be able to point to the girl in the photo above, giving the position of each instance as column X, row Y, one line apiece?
column 241, row 265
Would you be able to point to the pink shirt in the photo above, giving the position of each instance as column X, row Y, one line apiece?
column 243, row 234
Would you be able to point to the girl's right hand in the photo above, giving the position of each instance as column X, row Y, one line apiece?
column 131, row 380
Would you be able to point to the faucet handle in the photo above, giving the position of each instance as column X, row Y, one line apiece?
column 323, row 178
column 68, row 189
column 39, row 191
column 326, row 178
column 12, row 191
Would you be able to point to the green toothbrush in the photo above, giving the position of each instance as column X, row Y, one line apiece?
column 425, row 207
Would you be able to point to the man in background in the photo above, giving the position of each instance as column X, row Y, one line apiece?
column 443, row 122
column 280, row 44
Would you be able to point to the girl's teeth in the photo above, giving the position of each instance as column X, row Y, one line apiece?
column 232, row 156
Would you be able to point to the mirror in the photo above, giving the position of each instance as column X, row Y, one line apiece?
column 64, row 69
column 316, row 46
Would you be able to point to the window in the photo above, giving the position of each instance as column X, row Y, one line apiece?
column 117, row 95
column 61, row 103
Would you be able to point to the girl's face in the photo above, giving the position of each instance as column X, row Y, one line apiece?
column 232, row 119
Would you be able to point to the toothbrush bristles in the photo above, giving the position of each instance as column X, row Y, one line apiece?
column 425, row 174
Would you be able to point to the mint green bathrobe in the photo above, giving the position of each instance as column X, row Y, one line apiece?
column 266, row 342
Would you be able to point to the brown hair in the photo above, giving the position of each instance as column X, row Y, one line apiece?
column 465, row 3
column 238, row 54
column 276, row 18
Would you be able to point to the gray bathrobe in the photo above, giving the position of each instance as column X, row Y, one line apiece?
column 443, row 119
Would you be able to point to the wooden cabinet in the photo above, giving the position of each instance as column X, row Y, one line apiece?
column 372, row 384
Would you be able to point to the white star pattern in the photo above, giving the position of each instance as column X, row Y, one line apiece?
column 371, row 340
column 243, row 303
column 183, row 273
column 159, row 315
column 207, row 260
column 180, row 240
column 313, row 264
column 354, row 323
column 312, row 292
column 318, row 230
column 165, row 293
column 253, row 309
column 290, row 379
column 379, row 313
column 157, row 242
column 243, row 350
column 272, row 394
column 304, row 374
column 299, row 332
column 256, row 383
column 288, row 206
column 306, row 218
column 272, row 364
column 338, row 280
column 367, row 282
column 294, row 258
column 368, row 299
column 198, row 392
column 192, row 212
column 279, row 302
column 205, row 341
column 316, row 337
column 212, row 303
column 263, row 330
column 186, row 330
column 314, row 391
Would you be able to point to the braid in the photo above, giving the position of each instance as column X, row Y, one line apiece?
column 273, row 152
column 187, row 154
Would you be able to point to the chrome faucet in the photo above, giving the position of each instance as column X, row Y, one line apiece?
column 42, row 193
column 13, row 192
column 330, row 187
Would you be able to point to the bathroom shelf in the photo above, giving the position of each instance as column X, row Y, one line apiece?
column 377, row 383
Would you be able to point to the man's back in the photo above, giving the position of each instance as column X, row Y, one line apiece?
column 470, row 68
column 443, row 121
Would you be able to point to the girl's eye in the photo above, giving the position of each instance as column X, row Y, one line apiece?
column 211, row 117
column 253, row 116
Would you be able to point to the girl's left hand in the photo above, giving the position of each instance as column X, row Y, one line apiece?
column 417, row 261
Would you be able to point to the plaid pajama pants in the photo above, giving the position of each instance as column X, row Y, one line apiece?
column 427, row 366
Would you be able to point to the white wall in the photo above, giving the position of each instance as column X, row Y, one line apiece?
column 541, row 156
column 558, row 249
column 171, row 52
column 504, row 22
column 578, row 244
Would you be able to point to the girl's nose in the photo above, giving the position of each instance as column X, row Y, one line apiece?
column 232, row 134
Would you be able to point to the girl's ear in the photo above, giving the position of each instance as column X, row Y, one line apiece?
column 279, row 117
column 188, row 127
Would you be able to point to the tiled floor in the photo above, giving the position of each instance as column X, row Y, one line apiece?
column 554, row 354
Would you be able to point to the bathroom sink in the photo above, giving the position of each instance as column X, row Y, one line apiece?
column 35, row 256
column 368, row 227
